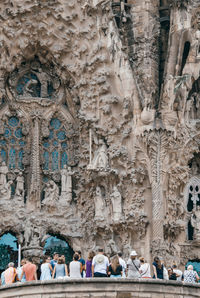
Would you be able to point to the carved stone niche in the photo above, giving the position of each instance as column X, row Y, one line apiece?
column 192, row 206
column 34, row 82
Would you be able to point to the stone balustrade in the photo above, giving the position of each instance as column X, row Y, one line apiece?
column 101, row 287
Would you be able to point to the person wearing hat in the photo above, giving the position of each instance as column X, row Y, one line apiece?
column 100, row 265
column 133, row 266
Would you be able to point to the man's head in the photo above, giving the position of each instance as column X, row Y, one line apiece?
column 11, row 264
column 133, row 254
column 119, row 254
column 100, row 250
column 55, row 256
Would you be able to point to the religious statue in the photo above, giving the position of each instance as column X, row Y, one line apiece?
column 44, row 79
column 5, row 190
column 3, row 173
column 20, row 185
column 66, row 183
column 195, row 222
column 51, row 193
column 100, row 160
column 116, row 200
column 29, row 88
column 99, row 204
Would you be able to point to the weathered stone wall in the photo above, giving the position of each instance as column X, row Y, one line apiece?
column 82, row 86
column 101, row 288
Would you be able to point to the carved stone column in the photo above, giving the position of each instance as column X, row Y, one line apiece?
column 34, row 193
column 157, row 194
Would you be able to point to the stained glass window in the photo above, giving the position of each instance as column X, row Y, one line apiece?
column 55, row 146
column 12, row 143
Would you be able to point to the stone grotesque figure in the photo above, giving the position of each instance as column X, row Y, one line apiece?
column 3, row 173
column 51, row 193
column 99, row 204
column 100, row 160
column 195, row 222
column 116, row 200
column 20, row 185
column 28, row 88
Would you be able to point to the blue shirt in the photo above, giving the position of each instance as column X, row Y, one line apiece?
column 53, row 263
column 3, row 278
column 82, row 261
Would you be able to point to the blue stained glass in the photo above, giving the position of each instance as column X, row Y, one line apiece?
column 45, row 179
column 12, row 141
column 55, row 123
column 64, row 159
column 55, row 143
column 2, row 143
column 51, row 136
column 61, row 135
column 20, row 157
column 54, row 160
column 7, row 132
column 46, row 160
column 3, row 155
column 12, row 157
column 13, row 121
column 64, row 145
column 46, row 145
column 18, row 133
column 22, row 143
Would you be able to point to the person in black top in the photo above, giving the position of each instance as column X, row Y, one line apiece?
column 172, row 274
column 115, row 269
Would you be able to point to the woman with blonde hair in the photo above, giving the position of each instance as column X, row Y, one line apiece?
column 60, row 269
column 115, row 269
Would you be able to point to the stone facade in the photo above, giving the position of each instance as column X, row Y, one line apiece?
column 99, row 125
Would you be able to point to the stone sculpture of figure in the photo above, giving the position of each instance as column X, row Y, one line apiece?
column 5, row 190
column 44, row 79
column 20, row 185
column 100, row 160
column 189, row 110
column 116, row 200
column 28, row 88
column 99, row 204
column 51, row 192
column 195, row 222
column 3, row 173
column 66, row 179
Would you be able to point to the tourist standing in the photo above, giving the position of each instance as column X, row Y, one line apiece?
column 19, row 271
column 171, row 274
column 100, row 264
column 115, row 269
column 55, row 260
column 190, row 275
column 133, row 266
column 75, row 267
column 178, row 272
column 3, row 278
column 46, row 269
column 158, row 268
column 29, row 269
column 122, row 263
column 82, row 261
column 145, row 270
column 89, row 264
column 60, row 269
column 10, row 274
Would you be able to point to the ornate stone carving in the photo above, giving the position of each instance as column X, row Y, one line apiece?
column 19, row 192
column 99, row 203
column 5, row 190
column 116, row 200
column 51, row 193
column 3, row 173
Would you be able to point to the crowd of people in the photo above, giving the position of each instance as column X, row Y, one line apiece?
column 98, row 265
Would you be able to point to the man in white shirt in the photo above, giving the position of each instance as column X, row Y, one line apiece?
column 122, row 263
column 100, row 264
column 179, row 273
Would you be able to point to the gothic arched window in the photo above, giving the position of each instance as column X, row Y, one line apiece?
column 12, row 143
column 55, row 147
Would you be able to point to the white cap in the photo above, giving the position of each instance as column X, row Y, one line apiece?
column 133, row 253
